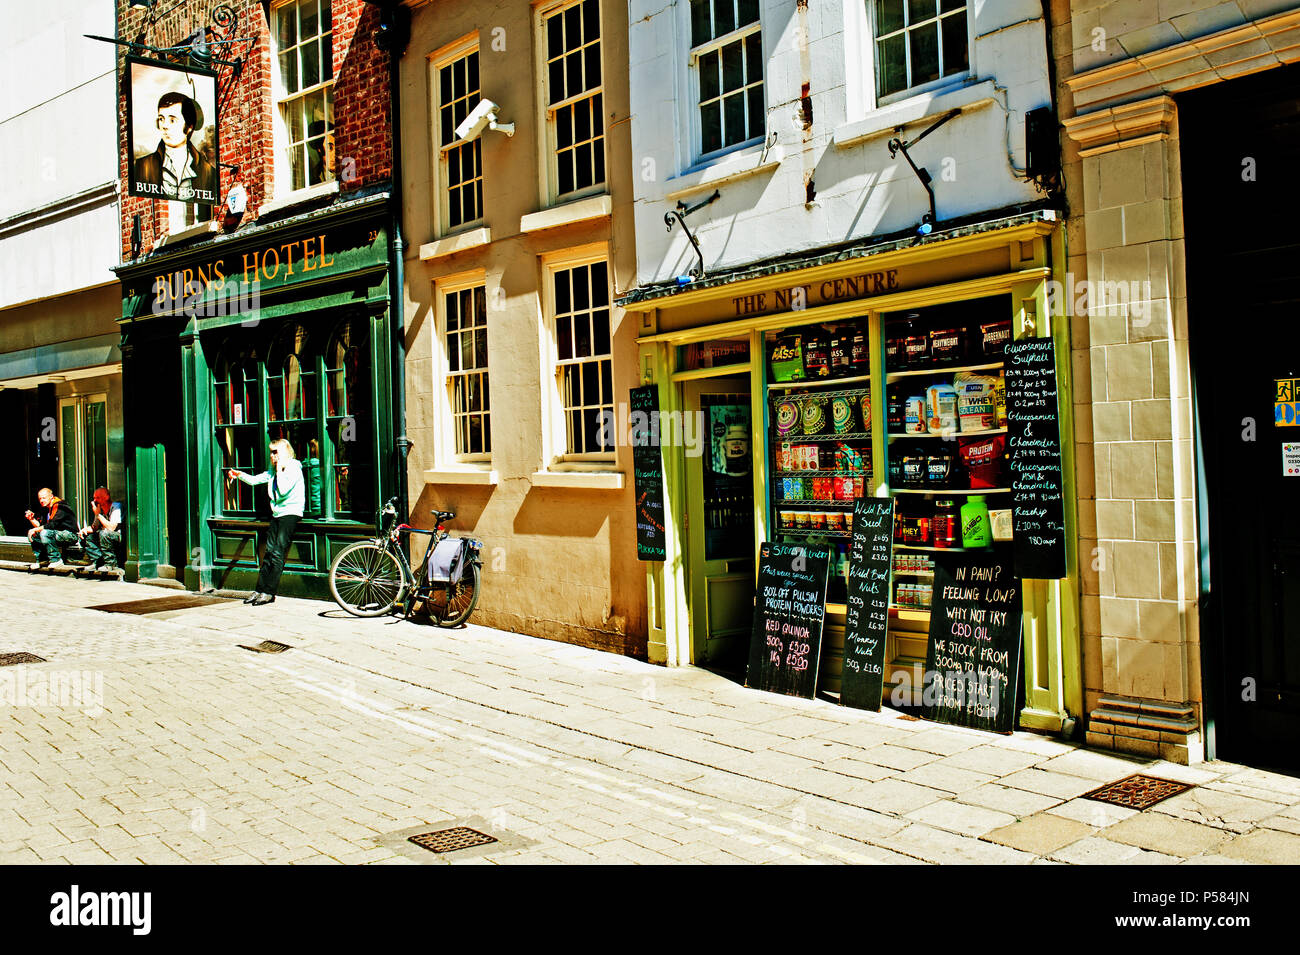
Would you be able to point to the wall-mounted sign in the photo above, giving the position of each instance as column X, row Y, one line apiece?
column 799, row 297
column 1286, row 405
column 171, row 132
column 1034, row 442
column 1291, row 459
column 647, row 474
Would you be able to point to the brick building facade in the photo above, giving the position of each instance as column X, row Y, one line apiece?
column 269, row 315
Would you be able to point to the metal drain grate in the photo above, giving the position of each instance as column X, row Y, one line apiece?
column 161, row 604
column 1137, row 791
column 267, row 646
column 449, row 840
column 12, row 659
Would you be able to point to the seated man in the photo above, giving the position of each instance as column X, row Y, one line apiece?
column 103, row 535
column 55, row 526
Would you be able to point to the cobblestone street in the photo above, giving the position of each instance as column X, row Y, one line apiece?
column 173, row 744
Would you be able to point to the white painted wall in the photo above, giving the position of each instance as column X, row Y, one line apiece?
column 58, row 139
column 861, row 190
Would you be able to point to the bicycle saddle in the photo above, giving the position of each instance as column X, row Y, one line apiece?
column 442, row 516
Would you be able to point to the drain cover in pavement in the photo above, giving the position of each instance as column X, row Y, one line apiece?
column 267, row 646
column 449, row 840
column 1138, row 791
column 160, row 604
column 11, row 659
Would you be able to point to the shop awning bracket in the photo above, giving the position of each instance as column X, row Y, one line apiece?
column 896, row 146
column 679, row 214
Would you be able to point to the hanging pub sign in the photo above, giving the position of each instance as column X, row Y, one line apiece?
column 789, row 610
column 647, row 472
column 1034, row 444
column 973, row 660
column 866, row 618
column 171, row 132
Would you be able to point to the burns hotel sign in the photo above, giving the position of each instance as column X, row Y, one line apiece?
column 171, row 132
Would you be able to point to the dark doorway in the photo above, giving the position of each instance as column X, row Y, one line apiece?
column 1240, row 152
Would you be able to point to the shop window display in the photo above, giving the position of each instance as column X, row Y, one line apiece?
column 946, row 423
column 819, row 397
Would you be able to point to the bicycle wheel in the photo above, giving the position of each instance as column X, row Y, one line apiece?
column 366, row 579
column 451, row 610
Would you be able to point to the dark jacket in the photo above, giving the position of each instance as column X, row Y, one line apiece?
column 150, row 169
column 64, row 519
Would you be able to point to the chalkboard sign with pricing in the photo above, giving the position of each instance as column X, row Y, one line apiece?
column 973, row 659
column 1034, row 443
column 647, row 472
column 866, row 618
column 789, row 610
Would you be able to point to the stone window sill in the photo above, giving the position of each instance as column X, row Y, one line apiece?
column 461, row 475
column 732, row 168
column 458, row 242
column 299, row 196
column 590, row 480
column 913, row 110
column 568, row 213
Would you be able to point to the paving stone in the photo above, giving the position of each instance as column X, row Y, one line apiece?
column 935, row 845
column 1017, row 802
column 1092, row 765
column 1215, row 808
column 993, row 760
column 1093, row 813
column 1060, row 785
column 1041, row 834
column 894, row 796
column 947, row 778
column 961, row 818
column 1162, row 833
column 1269, row 846
column 897, row 757
column 1097, row 850
column 1281, row 822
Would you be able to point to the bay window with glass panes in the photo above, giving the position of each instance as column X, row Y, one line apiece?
column 919, row 44
column 580, row 303
column 575, row 111
column 727, row 64
column 312, row 388
column 303, row 66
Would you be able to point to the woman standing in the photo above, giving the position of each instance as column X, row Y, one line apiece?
column 287, row 499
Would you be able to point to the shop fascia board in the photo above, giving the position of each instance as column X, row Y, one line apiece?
column 1219, row 56
column 290, row 302
column 745, row 280
column 353, row 210
column 853, row 308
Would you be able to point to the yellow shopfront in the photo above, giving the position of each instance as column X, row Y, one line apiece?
column 785, row 393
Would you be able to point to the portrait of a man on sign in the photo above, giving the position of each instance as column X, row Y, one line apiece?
column 172, row 133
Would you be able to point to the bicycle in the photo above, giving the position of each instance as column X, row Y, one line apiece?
column 370, row 577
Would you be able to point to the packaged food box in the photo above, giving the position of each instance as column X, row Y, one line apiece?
column 785, row 363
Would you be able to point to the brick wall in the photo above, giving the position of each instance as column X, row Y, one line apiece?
column 362, row 146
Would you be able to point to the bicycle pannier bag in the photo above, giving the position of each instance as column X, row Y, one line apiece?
column 448, row 561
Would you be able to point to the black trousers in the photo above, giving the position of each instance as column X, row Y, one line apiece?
column 278, row 536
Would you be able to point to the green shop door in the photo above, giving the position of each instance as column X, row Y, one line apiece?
column 720, row 520
column 150, row 518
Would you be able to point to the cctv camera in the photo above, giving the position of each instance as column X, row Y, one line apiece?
column 483, row 116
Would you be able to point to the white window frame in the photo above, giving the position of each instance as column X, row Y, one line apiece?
column 698, row 157
column 555, row 427
column 438, row 174
column 549, row 171
column 283, row 170
column 872, row 78
column 444, row 377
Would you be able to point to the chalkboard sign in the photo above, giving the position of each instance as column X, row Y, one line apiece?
column 866, row 619
column 647, row 472
column 1034, row 443
column 789, row 607
column 973, row 659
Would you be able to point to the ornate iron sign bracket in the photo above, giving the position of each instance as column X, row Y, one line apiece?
column 679, row 214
